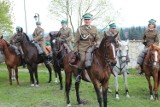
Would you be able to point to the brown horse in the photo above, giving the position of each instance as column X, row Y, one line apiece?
column 99, row 73
column 11, row 59
column 151, row 68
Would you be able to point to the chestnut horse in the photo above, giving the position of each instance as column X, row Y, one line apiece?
column 151, row 68
column 12, row 60
column 32, row 58
column 99, row 73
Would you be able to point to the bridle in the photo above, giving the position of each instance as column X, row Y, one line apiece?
column 151, row 61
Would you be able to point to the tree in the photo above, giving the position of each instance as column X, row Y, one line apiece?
column 5, row 17
column 73, row 10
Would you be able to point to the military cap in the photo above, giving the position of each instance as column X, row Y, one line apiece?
column 38, row 23
column 152, row 21
column 64, row 22
column 17, row 28
column 48, row 43
column 113, row 25
column 87, row 16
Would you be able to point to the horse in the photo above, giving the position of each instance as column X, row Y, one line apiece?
column 103, row 58
column 12, row 60
column 121, row 66
column 151, row 68
column 59, row 52
column 32, row 58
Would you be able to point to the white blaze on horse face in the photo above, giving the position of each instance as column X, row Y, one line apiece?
column 53, row 40
column 155, row 57
column 113, row 49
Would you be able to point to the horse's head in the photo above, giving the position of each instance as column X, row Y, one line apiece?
column 107, row 49
column 3, row 44
column 123, row 50
column 56, row 45
column 21, row 38
column 154, row 55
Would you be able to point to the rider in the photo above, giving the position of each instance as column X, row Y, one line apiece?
column 85, row 39
column 150, row 37
column 112, row 32
column 38, row 37
column 66, row 35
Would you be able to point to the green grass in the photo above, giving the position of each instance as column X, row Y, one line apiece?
column 49, row 95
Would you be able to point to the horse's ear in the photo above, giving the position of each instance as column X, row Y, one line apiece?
column 116, row 35
column 1, row 36
column 119, row 42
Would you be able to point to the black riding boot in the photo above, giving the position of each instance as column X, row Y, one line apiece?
column 45, row 59
column 141, row 66
column 78, row 78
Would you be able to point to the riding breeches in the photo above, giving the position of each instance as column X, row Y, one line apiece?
column 68, row 46
column 38, row 48
column 142, row 56
column 88, row 61
column 82, row 59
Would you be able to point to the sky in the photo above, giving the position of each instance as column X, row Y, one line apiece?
column 132, row 13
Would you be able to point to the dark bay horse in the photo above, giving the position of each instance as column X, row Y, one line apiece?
column 11, row 59
column 32, row 58
column 58, row 55
column 99, row 73
column 151, row 67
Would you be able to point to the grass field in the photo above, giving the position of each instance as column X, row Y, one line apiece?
column 49, row 95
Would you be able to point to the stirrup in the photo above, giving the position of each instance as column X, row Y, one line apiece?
column 78, row 78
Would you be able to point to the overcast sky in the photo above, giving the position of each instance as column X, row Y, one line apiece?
column 133, row 13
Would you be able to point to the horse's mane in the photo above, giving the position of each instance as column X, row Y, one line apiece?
column 12, row 50
column 27, row 38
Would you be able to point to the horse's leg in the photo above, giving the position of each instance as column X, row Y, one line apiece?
column 36, row 75
column 16, row 74
column 104, row 90
column 99, row 98
column 116, row 84
column 10, row 75
column 50, row 72
column 31, row 74
column 126, row 83
column 77, row 92
column 156, row 84
column 55, row 72
column 68, row 82
column 150, row 87
column 60, row 77
column 13, row 74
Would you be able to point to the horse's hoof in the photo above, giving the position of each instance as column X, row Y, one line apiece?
column 56, row 80
column 32, row 85
column 127, row 96
column 68, row 105
column 37, row 85
column 117, row 97
column 151, row 98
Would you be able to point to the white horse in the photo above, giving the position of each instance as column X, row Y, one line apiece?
column 122, row 65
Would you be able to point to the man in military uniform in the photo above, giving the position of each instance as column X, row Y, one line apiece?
column 66, row 35
column 85, row 39
column 113, row 31
column 150, row 37
column 38, row 37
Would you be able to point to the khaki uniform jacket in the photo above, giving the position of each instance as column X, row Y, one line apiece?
column 109, row 33
column 66, row 33
column 82, row 43
column 150, row 36
column 38, row 35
